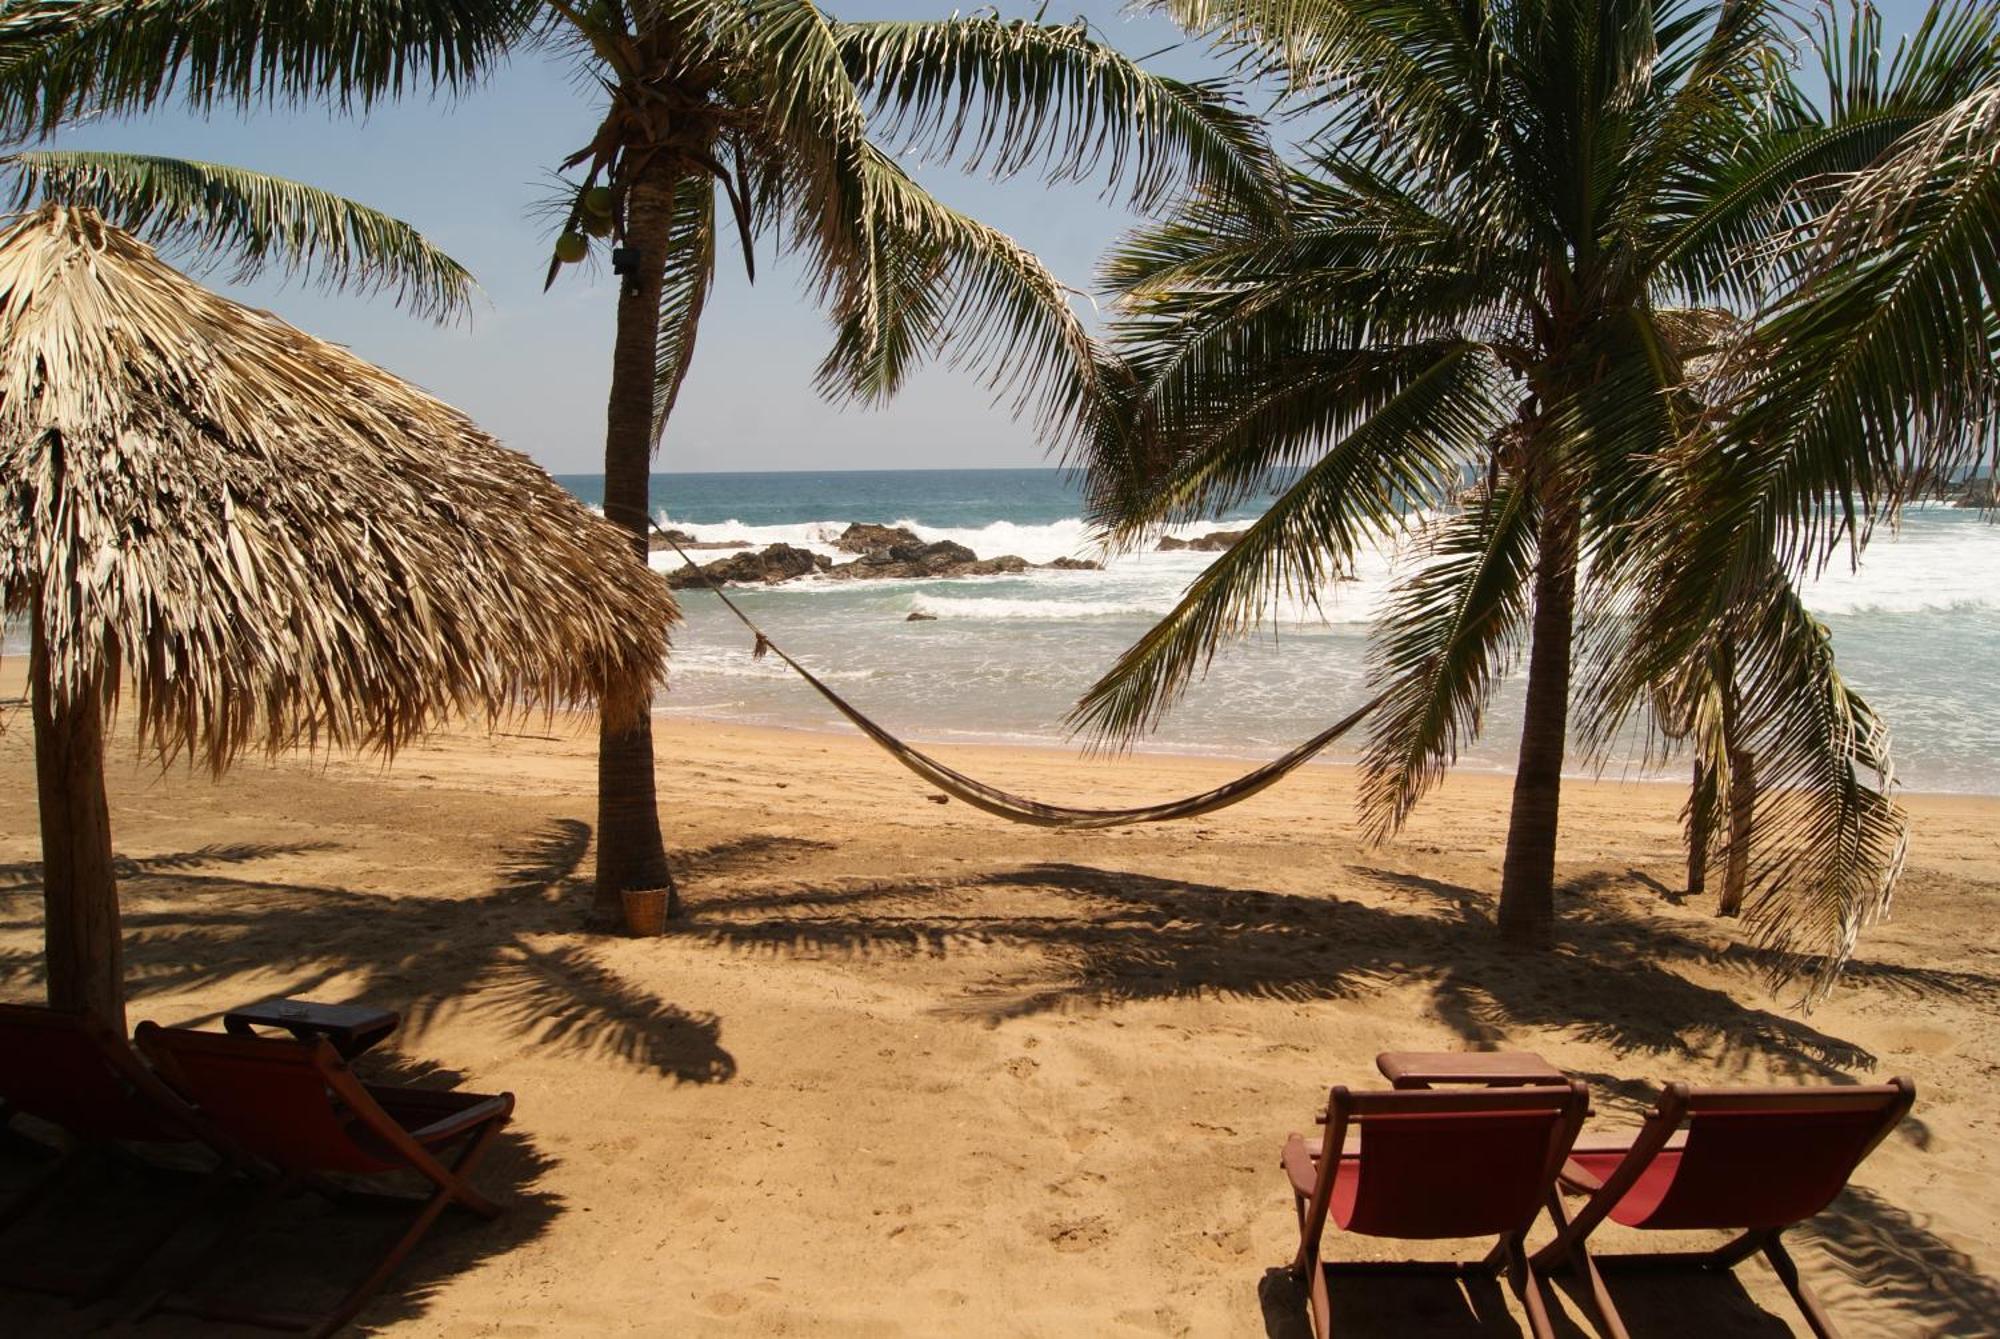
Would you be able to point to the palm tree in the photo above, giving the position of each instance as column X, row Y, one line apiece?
column 769, row 119
column 1513, row 255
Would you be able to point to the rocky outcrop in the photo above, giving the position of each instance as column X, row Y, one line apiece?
column 910, row 562
column 918, row 616
column 896, row 555
column 1977, row 493
column 660, row 540
column 777, row 562
column 1210, row 543
column 864, row 538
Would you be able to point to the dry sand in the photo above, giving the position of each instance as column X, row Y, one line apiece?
column 908, row 1070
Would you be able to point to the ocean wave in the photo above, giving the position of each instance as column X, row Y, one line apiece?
column 1069, row 537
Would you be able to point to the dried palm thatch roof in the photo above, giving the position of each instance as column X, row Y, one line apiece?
column 272, row 541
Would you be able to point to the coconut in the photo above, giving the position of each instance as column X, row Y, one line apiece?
column 572, row 247
column 597, row 200
column 597, row 226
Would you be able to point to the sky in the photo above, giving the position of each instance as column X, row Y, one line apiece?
column 533, row 367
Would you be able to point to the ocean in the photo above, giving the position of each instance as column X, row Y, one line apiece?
column 1917, row 630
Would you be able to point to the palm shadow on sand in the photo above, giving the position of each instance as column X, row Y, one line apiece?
column 188, row 928
column 1618, row 978
column 510, row 953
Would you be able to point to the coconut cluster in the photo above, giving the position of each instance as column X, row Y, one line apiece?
column 593, row 216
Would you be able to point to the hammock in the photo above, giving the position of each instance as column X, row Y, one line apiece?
column 1017, row 808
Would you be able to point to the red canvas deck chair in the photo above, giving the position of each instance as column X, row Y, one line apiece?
column 1430, row 1164
column 1750, row 1160
column 296, row 1105
column 74, row 1072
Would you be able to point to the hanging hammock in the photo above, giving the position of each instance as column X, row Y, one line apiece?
column 1017, row 808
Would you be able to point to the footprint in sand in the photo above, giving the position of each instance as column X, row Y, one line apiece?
column 1078, row 1234
column 723, row 1304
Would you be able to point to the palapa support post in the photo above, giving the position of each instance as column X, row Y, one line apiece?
column 79, row 891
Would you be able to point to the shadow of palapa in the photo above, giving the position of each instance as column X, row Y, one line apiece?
column 188, row 930
column 303, row 1253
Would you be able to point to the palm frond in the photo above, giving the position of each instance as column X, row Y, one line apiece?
column 1738, row 200
column 1879, row 371
column 1417, row 437
column 690, row 247
column 133, row 55
column 1830, row 838
column 1014, row 96
column 936, row 281
column 248, row 222
column 1448, row 635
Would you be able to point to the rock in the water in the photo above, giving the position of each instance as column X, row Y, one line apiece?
column 902, row 557
column 916, row 559
column 917, row 616
column 1209, row 543
column 688, row 542
column 777, row 562
column 862, row 537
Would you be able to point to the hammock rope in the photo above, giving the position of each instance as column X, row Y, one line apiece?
column 1018, row 808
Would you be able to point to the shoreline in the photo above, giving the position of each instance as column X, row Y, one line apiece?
column 1055, row 748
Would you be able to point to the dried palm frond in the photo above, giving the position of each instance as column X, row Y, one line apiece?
column 272, row 542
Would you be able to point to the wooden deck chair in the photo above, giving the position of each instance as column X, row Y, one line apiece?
column 74, row 1072
column 1431, row 1164
column 295, row 1104
column 1750, row 1160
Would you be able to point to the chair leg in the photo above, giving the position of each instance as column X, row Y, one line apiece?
column 358, row 1296
column 1809, row 1304
column 1306, row 1268
column 1579, row 1258
column 1733, row 1253
column 1527, row 1287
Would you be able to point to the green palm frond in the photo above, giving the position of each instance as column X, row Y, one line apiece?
column 690, row 248
column 248, row 222
column 1427, row 72
column 936, row 281
column 1739, row 202
column 1014, row 96
column 1412, row 444
column 1830, row 839
column 107, row 55
column 1451, row 631
column 1879, row 371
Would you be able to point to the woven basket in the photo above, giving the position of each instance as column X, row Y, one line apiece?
column 645, row 911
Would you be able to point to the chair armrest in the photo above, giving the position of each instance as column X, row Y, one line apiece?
column 433, row 1117
column 1301, row 1166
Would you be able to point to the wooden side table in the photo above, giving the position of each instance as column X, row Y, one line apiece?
column 351, row 1028
column 1493, row 1069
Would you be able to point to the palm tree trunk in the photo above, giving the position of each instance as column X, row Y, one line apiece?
column 79, row 892
column 631, row 854
column 1742, row 822
column 1527, row 878
column 1699, row 811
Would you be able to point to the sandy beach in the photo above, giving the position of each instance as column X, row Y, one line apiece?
column 906, row 1070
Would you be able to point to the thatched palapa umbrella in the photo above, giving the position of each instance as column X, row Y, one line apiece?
column 269, row 543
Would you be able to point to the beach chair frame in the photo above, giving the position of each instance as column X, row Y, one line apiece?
column 1680, row 1103
column 152, row 1112
column 467, row 1121
column 1313, row 1178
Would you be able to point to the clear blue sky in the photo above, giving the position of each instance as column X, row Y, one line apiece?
column 532, row 367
